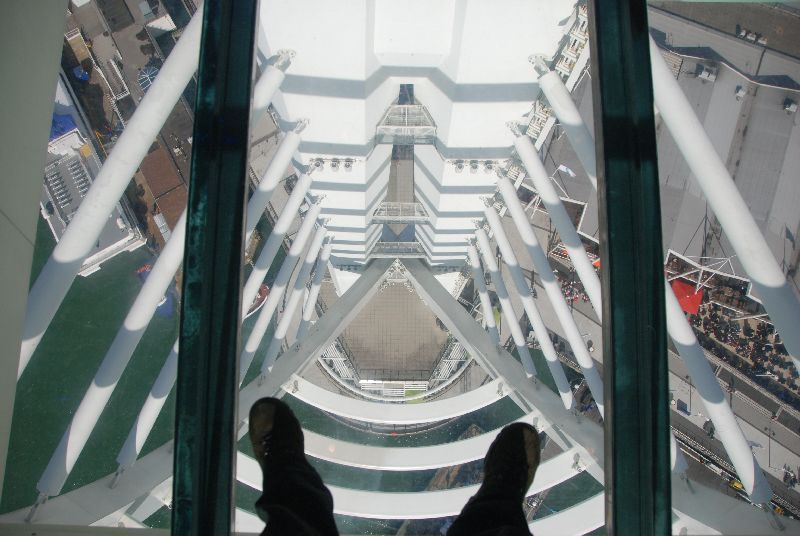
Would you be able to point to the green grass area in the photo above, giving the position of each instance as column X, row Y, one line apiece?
column 52, row 386
column 415, row 392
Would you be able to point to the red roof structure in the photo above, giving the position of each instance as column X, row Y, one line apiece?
column 689, row 298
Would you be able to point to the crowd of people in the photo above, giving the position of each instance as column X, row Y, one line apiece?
column 752, row 346
column 572, row 290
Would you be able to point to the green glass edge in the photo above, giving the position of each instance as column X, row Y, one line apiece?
column 207, row 382
column 637, row 442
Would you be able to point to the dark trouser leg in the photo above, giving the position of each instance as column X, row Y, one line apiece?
column 295, row 500
column 491, row 514
column 496, row 510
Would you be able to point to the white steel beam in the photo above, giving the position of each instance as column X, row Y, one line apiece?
column 552, row 288
column 505, row 302
column 581, row 518
column 381, row 412
column 729, row 207
column 151, row 408
column 114, row 363
column 499, row 364
column 320, row 336
column 717, row 408
column 268, row 83
column 408, row 458
column 681, row 333
column 118, row 356
column 570, row 119
column 560, row 218
column 483, row 293
column 270, row 249
column 539, row 329
column 294, row 298
column 166, row 378
column 313, row 293
column 280, row 162
column 690, row 351
column 277, row 290
column 554, row 471
column 87, row 223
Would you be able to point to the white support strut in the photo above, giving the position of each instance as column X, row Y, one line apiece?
column 316, row 284
column 270, row 249
column 114, row 363
column 570, row 119
column 483, row 293
column 319, row 337
column 269, row 82
column 716, row 406
column 87, row 223
column 505, row 302
column 539, row 329
column 277, row 291
column 117, row 358
column 151, row 408
column 560, row 218
column 780, row 300
column 689, row 350
column 294, row 298
column 280, row 162
column 551, row 287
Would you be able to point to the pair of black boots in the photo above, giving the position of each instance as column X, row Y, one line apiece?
column 295, row 501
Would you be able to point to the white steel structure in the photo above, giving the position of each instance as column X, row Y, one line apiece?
column 348, row 87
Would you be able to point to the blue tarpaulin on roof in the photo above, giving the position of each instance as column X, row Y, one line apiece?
column 80, row 74
column 61, row 125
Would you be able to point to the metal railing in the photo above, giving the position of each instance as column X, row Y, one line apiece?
column 395, row 212
column 407, row 124
column 399, row 250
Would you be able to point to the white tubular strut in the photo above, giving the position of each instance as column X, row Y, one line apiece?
column 560, row 218
column 161, row 276
column 277, row 291
column 539, row 329
column 716, row 406
column 281, row 161
column 729, row 207
column 483, row 293
column 117, row 358
column 316, row 284
column 149, row 413
column 712, row 175
column 269, row 82
column 270, row 249
column 294, row 298
column 569, row 117
column 505, row 302
column 677, row 461
column 690, row 351
column 552, row 288
column 87, row 223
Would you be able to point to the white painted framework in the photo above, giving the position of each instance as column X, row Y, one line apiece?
column 351, row 171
